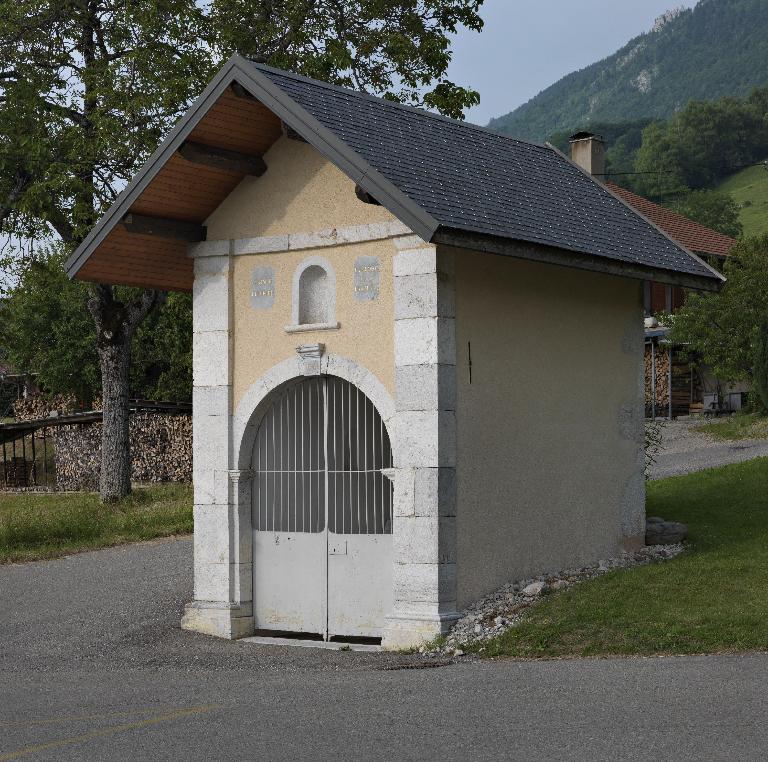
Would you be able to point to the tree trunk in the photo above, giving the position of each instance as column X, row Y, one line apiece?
column 115, row 482
column 116, row 323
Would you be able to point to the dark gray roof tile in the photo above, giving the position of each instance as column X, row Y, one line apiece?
column 472, row 179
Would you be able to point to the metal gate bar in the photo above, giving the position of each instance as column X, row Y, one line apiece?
column 319, row 454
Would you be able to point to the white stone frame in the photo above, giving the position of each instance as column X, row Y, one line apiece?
column 331, row 324
column 424, row 473
column 223, row 604
column 258, row 398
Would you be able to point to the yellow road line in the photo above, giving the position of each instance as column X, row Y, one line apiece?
column 77, row 718
column 105, row 732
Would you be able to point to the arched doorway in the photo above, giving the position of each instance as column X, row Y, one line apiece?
column 322, row 512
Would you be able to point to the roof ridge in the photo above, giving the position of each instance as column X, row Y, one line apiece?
column 394, row 104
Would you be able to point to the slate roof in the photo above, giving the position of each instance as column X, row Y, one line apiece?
column 471, row 179
column 693, row 235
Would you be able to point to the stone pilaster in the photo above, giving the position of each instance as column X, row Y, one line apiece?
column 424, row 476
column 222, row 543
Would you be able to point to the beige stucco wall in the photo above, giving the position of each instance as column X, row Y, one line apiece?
column 548, row 430
column 366, row 332
column 301, row 191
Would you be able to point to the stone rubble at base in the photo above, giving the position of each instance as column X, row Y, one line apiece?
column 505, row 608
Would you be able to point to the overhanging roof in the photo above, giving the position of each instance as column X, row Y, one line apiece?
column 448, row 181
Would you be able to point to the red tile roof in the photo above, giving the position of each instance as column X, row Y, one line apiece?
column 693, row 235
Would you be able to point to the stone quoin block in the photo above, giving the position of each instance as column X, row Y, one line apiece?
column 425, row 387
column 260, row 245
column 425, row 341
column 423, row 296
column 435, row 491
column 211, row 351
column 223, row 582
column 424, row 583
column 427, row 438
column 404, row 493
column 417, row 261
column 220, row 537
column 208, row 250
column 425, row 540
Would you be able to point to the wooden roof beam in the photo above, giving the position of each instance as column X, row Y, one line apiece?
column 222, row 158
column 179, row 230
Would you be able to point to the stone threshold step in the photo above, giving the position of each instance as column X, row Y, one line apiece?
column 262, row 640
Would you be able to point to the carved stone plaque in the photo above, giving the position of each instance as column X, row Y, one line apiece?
column 262, row 288
column 367, row 278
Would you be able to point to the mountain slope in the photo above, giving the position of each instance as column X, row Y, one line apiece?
column 718, row 48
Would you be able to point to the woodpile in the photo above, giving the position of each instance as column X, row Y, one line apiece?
column 662, row 378
column 161, row 447
column 161, row 451
column 36, row 406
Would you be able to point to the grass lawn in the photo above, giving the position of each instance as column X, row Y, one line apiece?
column 737, row 426
column 749, row 189
column 40, row 525
column 712, row 598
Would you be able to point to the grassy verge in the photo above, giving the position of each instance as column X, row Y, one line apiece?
column 737, row 426
column 749, row 189
column 35, row 526
column 712, row 598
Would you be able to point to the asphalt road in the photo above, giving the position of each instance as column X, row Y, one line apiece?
column 686, row 450
column 93, row 666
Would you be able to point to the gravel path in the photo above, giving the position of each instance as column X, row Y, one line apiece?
column 685, row 450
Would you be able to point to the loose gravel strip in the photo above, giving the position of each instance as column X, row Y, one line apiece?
column 498, row 612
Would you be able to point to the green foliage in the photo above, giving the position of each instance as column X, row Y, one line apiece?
column 162, row 352
column 396, row 49
column 86, row 92
column 724, row 327
column 749, row 189
column 658, row 162
column 46, row 329
column 760, row 372
column 35, row 526
column 703, row 143
column 715, row 209
column 716, row 49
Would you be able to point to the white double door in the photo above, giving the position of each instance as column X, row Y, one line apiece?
column 322, row 513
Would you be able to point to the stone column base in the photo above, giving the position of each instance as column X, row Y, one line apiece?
column 224, row 620
column 410, row 630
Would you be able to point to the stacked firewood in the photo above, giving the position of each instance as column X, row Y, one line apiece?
column 36, row 406
column 161, row 451
column 662, row 376
column 161, row 447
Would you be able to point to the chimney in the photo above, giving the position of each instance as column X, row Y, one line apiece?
column 588, row 151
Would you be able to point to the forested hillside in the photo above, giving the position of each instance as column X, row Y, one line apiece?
column 718, row 48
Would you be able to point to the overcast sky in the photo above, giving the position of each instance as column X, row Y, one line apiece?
column 527, row 46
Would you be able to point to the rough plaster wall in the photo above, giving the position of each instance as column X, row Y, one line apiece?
column 549, row 432
column 366, row 333
column 301, row 191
